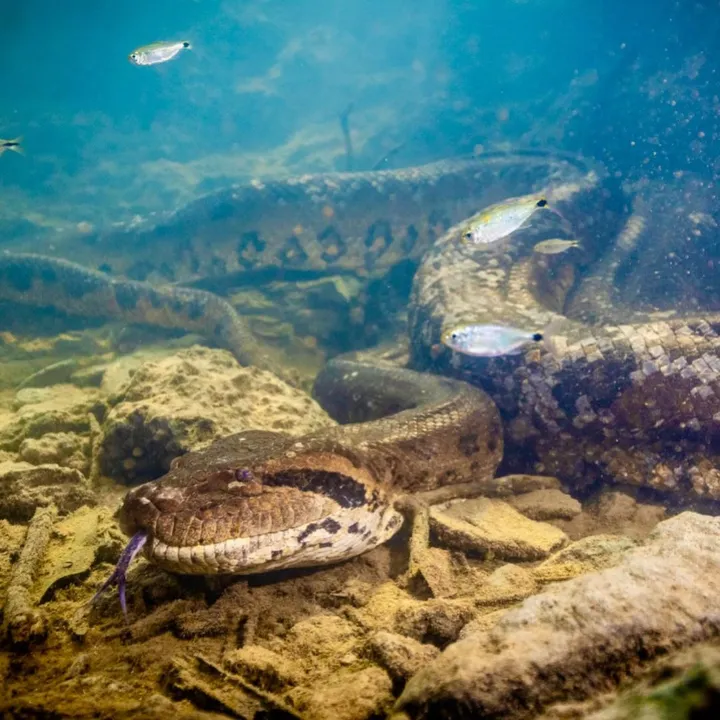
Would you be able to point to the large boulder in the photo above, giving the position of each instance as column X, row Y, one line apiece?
column 581, row 637
column 186, row 401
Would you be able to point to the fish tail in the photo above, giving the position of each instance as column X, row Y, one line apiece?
column 548, row 336
column 14, row 145
column 554, row 211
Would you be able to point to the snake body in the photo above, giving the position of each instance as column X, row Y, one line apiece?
column 623, row 395
column 53, row 282
column 627, row 393
column 362, row 223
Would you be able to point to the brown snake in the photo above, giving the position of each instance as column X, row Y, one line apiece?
column 260, row 501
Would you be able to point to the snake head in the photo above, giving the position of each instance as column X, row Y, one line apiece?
column 224, row 510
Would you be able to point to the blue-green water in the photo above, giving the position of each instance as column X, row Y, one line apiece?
column 263, row 87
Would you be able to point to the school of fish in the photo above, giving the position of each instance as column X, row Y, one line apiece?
column 490, row 225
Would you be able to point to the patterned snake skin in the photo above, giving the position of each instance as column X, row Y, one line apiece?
column 623, row 395
column 361, row 223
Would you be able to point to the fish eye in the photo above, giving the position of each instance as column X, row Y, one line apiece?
column 468, row 234
column 454, row 336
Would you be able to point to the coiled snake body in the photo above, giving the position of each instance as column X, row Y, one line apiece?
column 633, row 398
column 259, row 501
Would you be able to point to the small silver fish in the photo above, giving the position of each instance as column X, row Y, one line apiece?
column 501, row 219
column 13, row 145
column 555, row 246
column 157, row 52
column 489, row 340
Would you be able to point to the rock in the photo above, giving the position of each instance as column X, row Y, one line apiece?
column 78, row 542
column 381, row 608
column 492, row 526
column 320, row 307
column 686, row 685
column 546, row 505
column 507, row 585
column 91, row 376
column 21, row 358
column 445, row 574
column 185, row 401
column 61, row 408
column 616, row 507
column 613, row 513
column 65, row 449
column 582, row 637
column 321, row 640
column 348, row 695
column 482, row 623
column 263, row 668
column 438, row 622
column 401, row 656
column 590, row 554
column 25, row 487
column 12, row 538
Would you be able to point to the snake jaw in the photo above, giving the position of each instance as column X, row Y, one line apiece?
column 118, row 577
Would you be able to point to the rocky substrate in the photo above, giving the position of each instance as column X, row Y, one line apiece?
column 526, row 604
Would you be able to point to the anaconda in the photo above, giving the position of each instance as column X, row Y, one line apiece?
column 260, row 501
column 608, row 389
column 361, row 223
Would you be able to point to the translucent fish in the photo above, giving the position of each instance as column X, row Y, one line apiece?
column 158, row 52
column 13, row 145
column 501, row 219
column 489, row 340
column 555, row 246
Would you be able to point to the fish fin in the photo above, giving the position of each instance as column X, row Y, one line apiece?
column 547, row 336
column 16, row 147
column 555, row 211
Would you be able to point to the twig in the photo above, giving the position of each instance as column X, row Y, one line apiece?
column 24, row 623
column 197, row 678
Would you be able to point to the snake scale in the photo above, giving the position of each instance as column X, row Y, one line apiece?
column 622, row 395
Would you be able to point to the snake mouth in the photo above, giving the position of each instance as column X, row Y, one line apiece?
column 339, row 536
column 291, row 512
